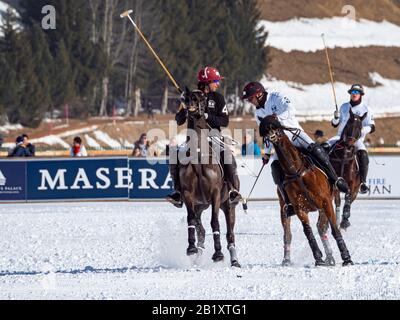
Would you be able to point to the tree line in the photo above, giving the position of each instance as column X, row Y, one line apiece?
column 95, row 60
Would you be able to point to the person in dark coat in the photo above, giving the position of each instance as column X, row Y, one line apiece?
column 30, row 146
column 20, row 150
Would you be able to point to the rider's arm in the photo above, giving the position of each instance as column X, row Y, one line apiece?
column 221, row 118
column 369, row 124
column 335, row 122
column 181, row 116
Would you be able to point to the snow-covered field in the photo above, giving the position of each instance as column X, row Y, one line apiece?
column 137, row 251
column 304, row 34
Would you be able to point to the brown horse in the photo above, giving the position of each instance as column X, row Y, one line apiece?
column 202, row 183
column 343, row 159
column 308, row 189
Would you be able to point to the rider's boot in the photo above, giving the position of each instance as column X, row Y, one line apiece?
column 175, row 198
column 232, row 179
column 322, row 158
column 278, row 176
column 363, row 162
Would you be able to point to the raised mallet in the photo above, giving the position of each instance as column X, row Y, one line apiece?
column 127, row 14
column 330, row 70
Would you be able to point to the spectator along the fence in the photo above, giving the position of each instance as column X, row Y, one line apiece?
column 78, row 149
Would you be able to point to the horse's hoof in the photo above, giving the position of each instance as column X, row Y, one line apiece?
column 345, row 224
column 348, row 263
column 218, row 256
column 286, row 263
column 321, row 263
column 330, row 261
column 235, row 264
column 191, row 251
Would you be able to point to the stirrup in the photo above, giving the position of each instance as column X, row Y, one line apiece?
column 176, row 199
column 234, row 197
column 364, row 189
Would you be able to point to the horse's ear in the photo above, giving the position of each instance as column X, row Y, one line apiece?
column 187, row 90
column 364, row 116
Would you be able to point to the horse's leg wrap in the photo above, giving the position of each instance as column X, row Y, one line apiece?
column 322, row 229
column 347, row 206
column 313, row 243
column 234, row 258
column 344, row 253
column 192, row 235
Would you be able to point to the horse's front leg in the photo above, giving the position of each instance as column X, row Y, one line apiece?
column 337, row 235
column 192, row 223
column 311, row 239
column 345, row 223
column 230, row 235
column 287, row 237
column 322, row 226
column 216, row 202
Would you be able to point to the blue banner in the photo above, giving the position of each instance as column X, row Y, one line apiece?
column 150, row 180
column 12, row 181
column 78, row 179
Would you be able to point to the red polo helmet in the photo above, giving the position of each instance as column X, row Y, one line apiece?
column 209, row 74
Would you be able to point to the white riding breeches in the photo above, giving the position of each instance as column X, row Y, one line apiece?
column 359, row 144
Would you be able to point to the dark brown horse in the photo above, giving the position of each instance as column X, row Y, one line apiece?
column 308, row 189
column 202, row 183
column 343, row 159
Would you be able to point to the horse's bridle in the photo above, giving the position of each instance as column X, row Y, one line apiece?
column 197, row 104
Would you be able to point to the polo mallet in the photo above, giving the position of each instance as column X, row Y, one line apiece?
column 330, row 71
column 128, row 15
column 246, row 200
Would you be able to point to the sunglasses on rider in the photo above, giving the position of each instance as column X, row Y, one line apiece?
column 216, row 81
column 355, row 92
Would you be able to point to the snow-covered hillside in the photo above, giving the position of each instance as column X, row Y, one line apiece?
column 305, row 34
column 316, row 102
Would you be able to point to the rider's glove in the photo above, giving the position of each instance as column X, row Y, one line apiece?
column 206, row 116
column 336, row 118
column 265, row 159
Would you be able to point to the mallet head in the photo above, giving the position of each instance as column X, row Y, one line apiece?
column 244, row 204
column 126, row 13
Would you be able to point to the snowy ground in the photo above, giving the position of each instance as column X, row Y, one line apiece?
column 136, row 251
